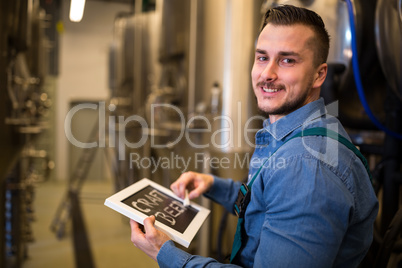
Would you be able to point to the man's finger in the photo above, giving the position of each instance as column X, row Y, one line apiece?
column 136, row 232
column 134, row 225
column 180, row 185
column 195, row 193
column 187, row 181
column 149, row 224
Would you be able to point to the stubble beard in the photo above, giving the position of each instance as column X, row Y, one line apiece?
column 287, row 107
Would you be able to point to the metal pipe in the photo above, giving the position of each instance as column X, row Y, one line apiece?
column 192, row 56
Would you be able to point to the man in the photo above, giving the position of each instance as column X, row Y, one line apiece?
column 317, row 208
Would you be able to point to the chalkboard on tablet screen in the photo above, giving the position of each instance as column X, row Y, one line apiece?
column 166, row 209
column 145, row 198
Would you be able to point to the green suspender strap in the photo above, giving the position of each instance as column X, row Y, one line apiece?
column 245, row 189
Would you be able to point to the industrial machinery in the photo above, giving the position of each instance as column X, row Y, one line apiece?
column 25, row 111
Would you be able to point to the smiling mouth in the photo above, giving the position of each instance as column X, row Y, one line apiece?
column 270, row 87
column 271, row 90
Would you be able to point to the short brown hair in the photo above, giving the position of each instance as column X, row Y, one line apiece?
column 287, row 15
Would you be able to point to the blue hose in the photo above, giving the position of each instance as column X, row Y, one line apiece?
column 358, row 81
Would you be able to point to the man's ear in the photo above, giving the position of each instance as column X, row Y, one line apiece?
column 320, row 75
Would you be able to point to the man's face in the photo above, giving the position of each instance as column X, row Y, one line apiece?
column 284, row 77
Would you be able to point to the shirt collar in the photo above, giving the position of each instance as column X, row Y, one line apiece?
column 296, row 119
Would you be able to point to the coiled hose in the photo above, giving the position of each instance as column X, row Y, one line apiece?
column 358, row 81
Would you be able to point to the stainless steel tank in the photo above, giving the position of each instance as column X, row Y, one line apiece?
column 206, row 51
column 133, row 72
column 227, row 31
column 388, row 30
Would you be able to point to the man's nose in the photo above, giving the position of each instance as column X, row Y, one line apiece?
column 269, row 73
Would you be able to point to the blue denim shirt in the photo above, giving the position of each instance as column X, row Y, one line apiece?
column 312, row 204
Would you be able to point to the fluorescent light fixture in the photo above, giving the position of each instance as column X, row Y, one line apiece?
column 77, row 10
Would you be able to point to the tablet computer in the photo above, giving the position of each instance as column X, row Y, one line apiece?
column 145, row 198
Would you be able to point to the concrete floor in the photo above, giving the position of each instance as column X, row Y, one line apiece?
column 108, row 231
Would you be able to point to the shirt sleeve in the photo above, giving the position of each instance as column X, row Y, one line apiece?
column 305, row 224
column 184, row 259
column 224, row 192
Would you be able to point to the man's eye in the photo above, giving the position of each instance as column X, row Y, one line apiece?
column 288, row 61
column 261, row 58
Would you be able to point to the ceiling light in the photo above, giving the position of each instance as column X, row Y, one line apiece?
column 77, row 10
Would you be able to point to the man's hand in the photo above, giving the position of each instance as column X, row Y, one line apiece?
column 150, row 240
column 196, row 183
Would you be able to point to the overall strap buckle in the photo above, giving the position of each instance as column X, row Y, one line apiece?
column 243, row 198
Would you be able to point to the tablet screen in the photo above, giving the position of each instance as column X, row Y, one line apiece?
column 167, row 210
